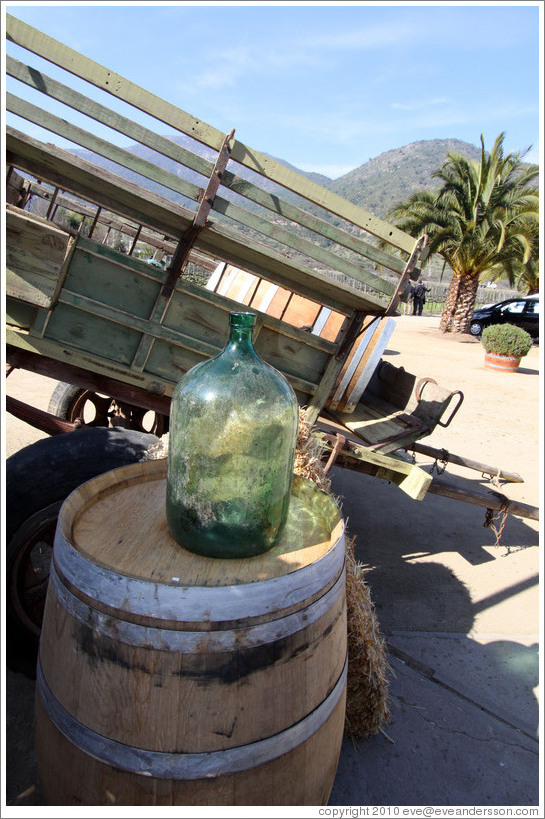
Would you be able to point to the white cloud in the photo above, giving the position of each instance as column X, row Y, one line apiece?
column 362, row 38
column 418, row 105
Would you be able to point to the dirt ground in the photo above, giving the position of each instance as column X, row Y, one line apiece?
column 498, row 424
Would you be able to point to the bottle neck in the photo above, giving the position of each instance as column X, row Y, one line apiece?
column 240, row 332
column 240, row 338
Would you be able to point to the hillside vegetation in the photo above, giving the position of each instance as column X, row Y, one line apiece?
column 389, row 178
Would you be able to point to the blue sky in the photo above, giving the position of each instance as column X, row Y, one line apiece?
column 323, row 86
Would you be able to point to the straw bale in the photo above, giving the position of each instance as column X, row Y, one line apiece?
column 367, row 709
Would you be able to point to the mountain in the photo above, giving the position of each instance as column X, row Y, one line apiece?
column 392, row 176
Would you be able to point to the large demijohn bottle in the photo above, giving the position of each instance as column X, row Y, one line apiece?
column 232, row 437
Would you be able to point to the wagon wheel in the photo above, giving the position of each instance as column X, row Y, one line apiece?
column 38, row 479
column 95, row 409
column 30, row 550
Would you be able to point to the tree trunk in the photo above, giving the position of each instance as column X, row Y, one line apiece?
column 458, row 309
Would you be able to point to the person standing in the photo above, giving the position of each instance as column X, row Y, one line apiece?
column 408, row 298
column 419, row 297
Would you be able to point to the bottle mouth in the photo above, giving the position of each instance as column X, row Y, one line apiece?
column 243, row 320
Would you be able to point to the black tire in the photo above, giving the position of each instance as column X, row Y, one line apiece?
column 475, row 328
column 94, row 409
column 38, row 479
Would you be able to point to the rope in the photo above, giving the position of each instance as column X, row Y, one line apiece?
column 495, row 480
column 490, row 520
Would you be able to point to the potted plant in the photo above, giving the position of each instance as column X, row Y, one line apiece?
column 504, row 346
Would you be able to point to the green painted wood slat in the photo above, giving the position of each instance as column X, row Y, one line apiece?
column 124, row 198
column 151, row 171
column 167, row 148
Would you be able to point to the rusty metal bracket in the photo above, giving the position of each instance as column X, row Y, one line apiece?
column 206, row 201
column 354, row 329
column 410, row 267
column 340, row 441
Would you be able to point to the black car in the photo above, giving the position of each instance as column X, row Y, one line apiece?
column 523, row 312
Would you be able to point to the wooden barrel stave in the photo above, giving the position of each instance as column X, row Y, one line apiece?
column 299, row 653
column 301, row 776
column 366, row 351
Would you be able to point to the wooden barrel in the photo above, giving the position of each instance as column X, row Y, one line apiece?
column 275, row 301
column 167, row 678
column 360, row 365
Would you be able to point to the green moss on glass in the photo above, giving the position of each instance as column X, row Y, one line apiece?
column 232, row 436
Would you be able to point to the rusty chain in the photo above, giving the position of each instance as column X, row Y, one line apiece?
column 489, row 522
column 440, row 464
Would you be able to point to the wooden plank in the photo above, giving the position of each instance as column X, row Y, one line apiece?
column 410, row 272
column 168, row 148
column 100, row 113
column 111, row 283
column 122, row 197
column 37, row 418
column 418, row 484
column 116, row 316
column 146, row 394
column 302, row 245
column 85, row 361
column 146, row 342
column 488, row 499
column 175, row 183
column 98, row 186
column 363, row 361
column 370, row 426
column 35, row 254
column 21, row 314
column 308, row 220
column 206, row 202
column 25, row 36
column 111, row 222
column 449, row 457
column 335, row 366
column 116, row 279
column 410, row 478
column 274, row 267
column 100, row 146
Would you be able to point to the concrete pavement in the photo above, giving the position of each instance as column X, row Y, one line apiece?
column 464, row 655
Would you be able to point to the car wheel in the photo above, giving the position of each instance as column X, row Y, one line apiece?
column 38, row 479
column 475, row 328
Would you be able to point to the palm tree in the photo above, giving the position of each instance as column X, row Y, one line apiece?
column 483, row 221
column 525, row 275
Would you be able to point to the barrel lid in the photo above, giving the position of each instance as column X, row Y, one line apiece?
column 114, row 552
column 118, row 521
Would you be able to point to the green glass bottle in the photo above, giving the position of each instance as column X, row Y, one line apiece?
column 232, row 436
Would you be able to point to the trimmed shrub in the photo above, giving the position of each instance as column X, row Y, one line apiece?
column 506, row 339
